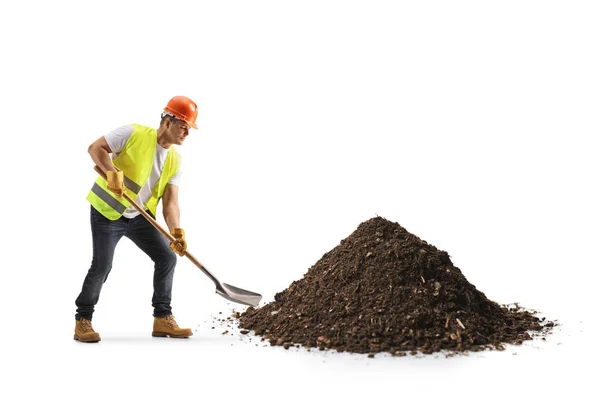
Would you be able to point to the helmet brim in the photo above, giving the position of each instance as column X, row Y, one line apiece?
column 174, row 115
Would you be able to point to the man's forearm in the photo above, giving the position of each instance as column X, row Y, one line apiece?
column 171, row 215
column 102, row 159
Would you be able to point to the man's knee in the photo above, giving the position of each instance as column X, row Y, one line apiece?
column 168, row 258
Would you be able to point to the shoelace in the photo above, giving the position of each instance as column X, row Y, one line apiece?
column 171, row 321
column 86, row 325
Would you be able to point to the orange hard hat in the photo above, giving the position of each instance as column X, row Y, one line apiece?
column 183, row 108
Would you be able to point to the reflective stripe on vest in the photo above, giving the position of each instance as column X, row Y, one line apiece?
column 108, row 199
column 131, row 185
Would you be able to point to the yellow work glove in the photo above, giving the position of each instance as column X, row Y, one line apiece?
column 115, row 182
column 179, row 245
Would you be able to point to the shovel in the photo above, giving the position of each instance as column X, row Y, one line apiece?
column 229, row 292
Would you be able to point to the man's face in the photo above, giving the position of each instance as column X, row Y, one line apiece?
column 178, row 131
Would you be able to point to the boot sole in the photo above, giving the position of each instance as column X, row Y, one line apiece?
column 86, row 340
column 163, row 334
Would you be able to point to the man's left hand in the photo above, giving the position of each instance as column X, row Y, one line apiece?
column 179, row 245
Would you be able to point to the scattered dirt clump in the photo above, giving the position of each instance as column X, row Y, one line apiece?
column 383, row 289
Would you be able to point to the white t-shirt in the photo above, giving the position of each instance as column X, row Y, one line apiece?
column 116, row 141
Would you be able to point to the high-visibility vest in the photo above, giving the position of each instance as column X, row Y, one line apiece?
column 135, row 160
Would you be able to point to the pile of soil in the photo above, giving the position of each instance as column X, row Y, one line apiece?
column 383, row 289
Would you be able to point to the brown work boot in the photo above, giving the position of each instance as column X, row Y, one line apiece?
column 84, row 331
column 166, row 326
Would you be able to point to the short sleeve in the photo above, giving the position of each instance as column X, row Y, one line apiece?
column 175, row 179
column 117, row 138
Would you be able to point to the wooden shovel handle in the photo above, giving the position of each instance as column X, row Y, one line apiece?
column 228, row 291
column 164, row 232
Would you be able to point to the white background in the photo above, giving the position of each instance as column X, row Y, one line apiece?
column 470, row 123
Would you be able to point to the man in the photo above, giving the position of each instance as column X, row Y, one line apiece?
column 145, row 165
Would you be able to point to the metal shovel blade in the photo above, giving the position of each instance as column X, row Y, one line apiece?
column 226, row 290
column 238, row 295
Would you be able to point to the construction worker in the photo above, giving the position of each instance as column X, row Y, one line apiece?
column 143, row 163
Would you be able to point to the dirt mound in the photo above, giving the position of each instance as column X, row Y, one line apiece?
column 383, row 289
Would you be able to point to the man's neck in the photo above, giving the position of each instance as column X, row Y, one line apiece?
column 162, row 139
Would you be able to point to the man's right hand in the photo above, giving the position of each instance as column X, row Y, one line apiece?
column 115, row 182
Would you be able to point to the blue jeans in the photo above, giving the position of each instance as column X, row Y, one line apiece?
column 106, row 234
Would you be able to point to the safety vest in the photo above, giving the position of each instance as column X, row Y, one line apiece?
column 135, row 160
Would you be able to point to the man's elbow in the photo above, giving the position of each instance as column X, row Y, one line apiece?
column 94, row 150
